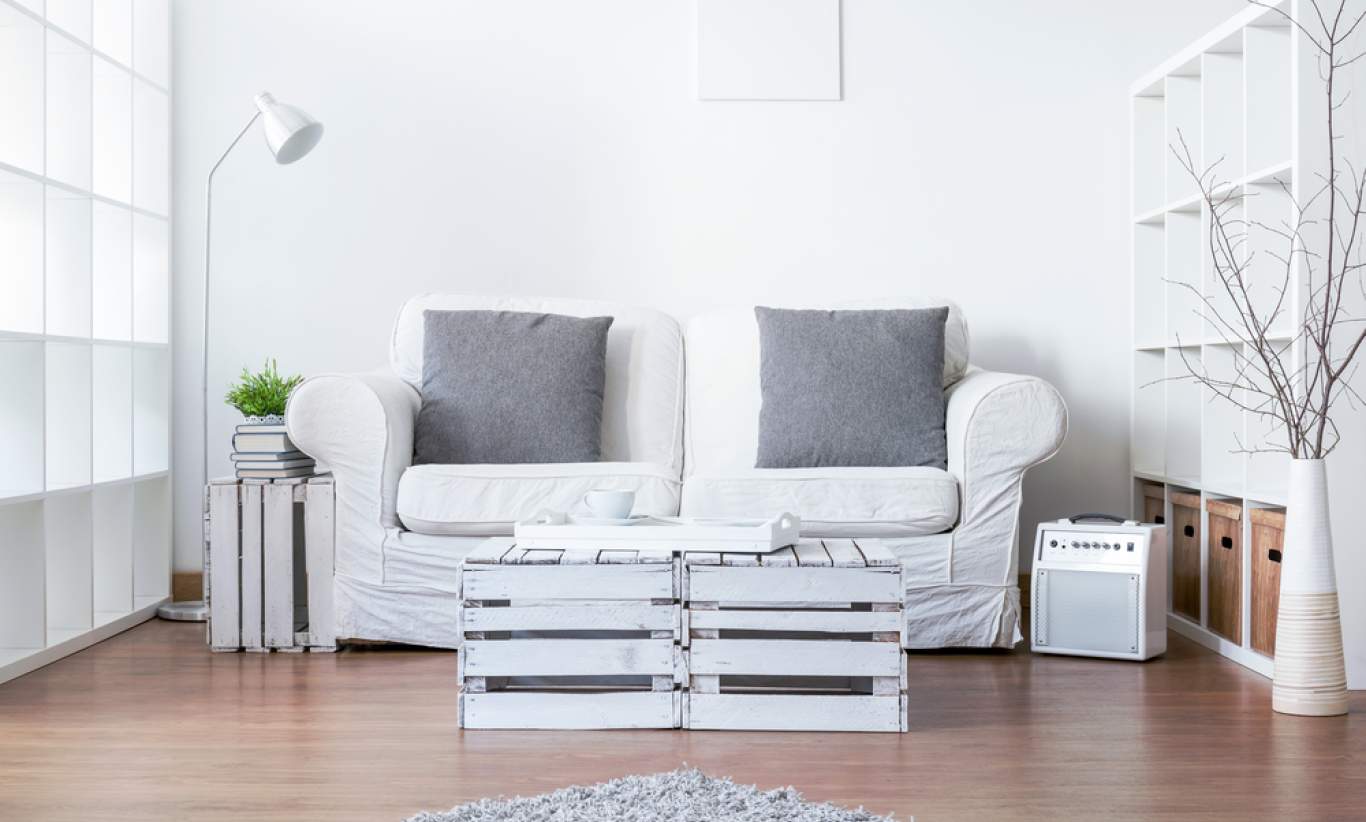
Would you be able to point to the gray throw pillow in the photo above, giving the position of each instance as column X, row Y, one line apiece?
column 511, row 387
column 851, row 388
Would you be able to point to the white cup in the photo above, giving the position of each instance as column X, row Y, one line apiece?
column 607, row 503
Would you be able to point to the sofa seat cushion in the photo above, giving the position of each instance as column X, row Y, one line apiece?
column 832, row 502
column 485, row 500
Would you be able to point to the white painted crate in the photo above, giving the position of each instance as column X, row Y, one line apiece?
column 258, row 599
column 804, row 638
column 567, row 639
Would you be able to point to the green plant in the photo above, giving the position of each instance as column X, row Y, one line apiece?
column 264, row 393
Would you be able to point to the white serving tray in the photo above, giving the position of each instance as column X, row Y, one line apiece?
column 550, row 530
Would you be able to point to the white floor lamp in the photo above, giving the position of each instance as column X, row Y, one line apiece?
column 290, row 134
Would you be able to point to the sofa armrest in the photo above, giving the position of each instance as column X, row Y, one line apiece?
column 998, row 426
column 361, row 426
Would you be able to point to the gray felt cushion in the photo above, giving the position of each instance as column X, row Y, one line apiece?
column 851, row 388
column 511, row 387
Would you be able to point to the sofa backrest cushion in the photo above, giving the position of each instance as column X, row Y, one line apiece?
column 723, row 394
column 642, row 414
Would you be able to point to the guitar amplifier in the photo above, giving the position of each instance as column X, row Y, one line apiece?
column 1100, row 588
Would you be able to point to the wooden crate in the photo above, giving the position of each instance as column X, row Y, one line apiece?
column 1185, row 542
column 1224, row 571
column 805, row 638
column 1154, row 503
column 259, row 599
column 567, row 639
column 1268, row 541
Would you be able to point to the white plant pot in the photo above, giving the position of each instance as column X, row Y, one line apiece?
column 1311, row 674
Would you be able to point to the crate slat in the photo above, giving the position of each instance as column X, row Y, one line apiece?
column 569, row 657
column 320, row 552
column 813, row 585
column 253, row 609
column 794, row 657
column 614, row 617
column 225, row 631
column 787, row 712
column 830, row 622
column 277, row 524
column 534, row 582
column 570, row 711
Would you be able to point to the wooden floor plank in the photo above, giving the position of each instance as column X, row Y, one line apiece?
column 149, row 726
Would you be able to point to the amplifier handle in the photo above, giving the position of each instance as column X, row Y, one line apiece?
column 1075, row 518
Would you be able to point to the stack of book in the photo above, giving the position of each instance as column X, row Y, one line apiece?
column 264, row 451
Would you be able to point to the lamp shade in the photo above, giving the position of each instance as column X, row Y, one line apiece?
column 290, row 132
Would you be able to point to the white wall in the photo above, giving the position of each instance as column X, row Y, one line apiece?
column 545, row 147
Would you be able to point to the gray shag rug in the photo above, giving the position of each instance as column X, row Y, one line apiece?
column 684, row 795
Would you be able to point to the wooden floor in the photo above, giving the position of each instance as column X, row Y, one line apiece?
column 149, row 726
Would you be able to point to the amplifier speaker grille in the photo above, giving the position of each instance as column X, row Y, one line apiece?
column 1087, row 610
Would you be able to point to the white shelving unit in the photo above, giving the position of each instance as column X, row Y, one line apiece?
column 1248, row 97
column 85, row 488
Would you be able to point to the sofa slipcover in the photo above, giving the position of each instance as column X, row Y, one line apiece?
column 394, row 583
column 843, row 502
column 482, row 500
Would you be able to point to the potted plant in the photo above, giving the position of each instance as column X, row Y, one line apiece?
column 1294, row 381
column 261, row 397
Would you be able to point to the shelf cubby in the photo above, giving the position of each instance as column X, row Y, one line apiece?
column 1268, row 471
column 21, row 237
column 152, row 40
column 69, row 119
column 68, row 531
column 1221, row 109
column 68, row 248
column 1182, row 283
column 1182, row 125
column 113, row 412
column 112, row 271
column 21, row 420
column 1149, row 153
column 22, row 622
column 22, row 53
column 112, row 551
column 112, row 24
column 112, row 163
column 1183, row 416
column 1271, row 216
column 151, row 410
column 151, row 148
column 1269, row 111
column 1221, row 460
column 151, row 540
column 1218, row 308
column 1149, row 264
column 151, row 279
column 68, row 414
column 1149, row 420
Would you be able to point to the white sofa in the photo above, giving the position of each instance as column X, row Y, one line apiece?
column 685, row 445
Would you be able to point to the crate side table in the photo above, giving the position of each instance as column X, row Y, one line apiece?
column 257, row 596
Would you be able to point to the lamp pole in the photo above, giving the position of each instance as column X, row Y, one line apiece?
column 290, row 134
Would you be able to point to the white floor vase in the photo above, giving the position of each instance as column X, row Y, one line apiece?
column 1311, row 675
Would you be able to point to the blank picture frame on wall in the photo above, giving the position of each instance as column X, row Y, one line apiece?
column 768, row 50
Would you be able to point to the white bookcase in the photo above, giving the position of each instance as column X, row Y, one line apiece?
column 1248, row 92
column 85, row 487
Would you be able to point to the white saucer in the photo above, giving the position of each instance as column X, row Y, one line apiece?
column 631, row 520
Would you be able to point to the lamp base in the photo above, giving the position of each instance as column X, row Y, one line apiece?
column 187, row 611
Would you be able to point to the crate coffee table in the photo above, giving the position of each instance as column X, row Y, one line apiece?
column 802, row 638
